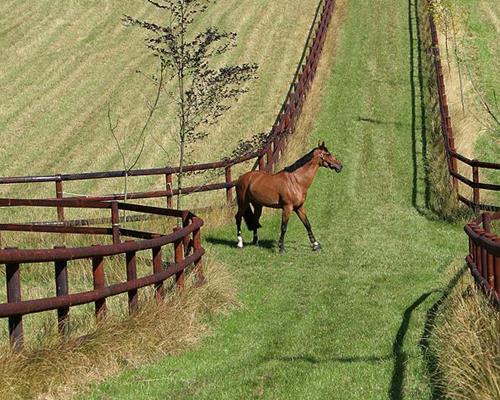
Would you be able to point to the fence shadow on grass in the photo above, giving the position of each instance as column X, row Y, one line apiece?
column 399, row 355
column 430, row 323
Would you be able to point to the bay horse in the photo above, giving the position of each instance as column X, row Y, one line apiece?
column 286, row 189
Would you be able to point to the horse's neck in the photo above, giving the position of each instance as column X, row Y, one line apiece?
column 305, row 174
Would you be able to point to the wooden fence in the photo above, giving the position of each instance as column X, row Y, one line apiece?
column 187, row 250
column 484, row 255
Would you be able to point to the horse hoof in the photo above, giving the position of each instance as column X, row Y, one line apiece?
column 239, row 245
column 316, row 246
column 256, row 242
column 282, row 250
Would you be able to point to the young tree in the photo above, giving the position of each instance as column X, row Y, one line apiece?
column 202, row 92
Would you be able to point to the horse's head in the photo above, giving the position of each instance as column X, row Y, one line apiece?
column 327, row 159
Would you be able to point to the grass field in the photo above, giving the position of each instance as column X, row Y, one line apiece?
column 63, row 62
column 349, row 322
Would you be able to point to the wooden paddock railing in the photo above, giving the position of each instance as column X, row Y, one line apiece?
column 264, row 158
column 484, row 255
column 187, row 250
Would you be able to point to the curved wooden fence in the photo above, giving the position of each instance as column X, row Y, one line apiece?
column 478, row 168
column 484, row 255
column 187, row 250
column 185, row 241
column 265, row 157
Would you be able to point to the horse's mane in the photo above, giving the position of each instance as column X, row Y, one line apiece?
column 300, row 162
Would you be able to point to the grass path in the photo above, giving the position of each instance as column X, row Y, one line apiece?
column 346, row 323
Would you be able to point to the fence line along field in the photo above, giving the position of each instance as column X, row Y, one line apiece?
column 62, row 63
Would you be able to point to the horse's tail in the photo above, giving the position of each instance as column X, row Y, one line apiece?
column 250, row 220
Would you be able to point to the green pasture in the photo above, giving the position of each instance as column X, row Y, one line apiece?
column 350, row 322
column 63, row 62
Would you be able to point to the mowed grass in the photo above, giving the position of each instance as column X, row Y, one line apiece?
column 348, row 322
column 63, row 62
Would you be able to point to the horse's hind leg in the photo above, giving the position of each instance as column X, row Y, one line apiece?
column 238, row 217
column 301, row 213
column 257, row 213
column 285, row 216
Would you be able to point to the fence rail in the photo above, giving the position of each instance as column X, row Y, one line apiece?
column 187, row 250
column 265, row 157
column 484, row 255
column 453, row 157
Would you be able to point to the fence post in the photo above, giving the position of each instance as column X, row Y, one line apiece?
column 59, row 195
column 115, row 221
column 496, row 271
column 168, row 187
column 178, row 257
column 99, row 283
column 490, row 267
column 486, row 218
column 198, row 265
column 477, row 253
column 61, row 275
column 229, row 190
column 269, row 154
column 261, row 163
column 133, row 304
column 157, row 267
column 475, row 189
column 13, row 278
column 186, row 241
column 451, row 141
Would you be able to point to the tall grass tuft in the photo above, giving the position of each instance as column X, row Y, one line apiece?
column 467, row 345
column 62, row 368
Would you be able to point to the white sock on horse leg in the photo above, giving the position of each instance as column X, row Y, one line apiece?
column 240, row 242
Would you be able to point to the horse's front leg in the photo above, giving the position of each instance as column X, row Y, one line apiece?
column 285, row 216
column 301, row 213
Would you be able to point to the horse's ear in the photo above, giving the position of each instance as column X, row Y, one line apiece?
column 323, row 144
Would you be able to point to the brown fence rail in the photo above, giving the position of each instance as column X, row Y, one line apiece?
column 265, row 157
column 484, row 255
column 478, row 168
column 187, row 250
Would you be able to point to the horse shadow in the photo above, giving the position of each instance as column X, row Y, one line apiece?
column 264, row 243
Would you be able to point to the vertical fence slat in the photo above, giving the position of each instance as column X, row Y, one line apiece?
column 133, row 300
column 115, row 221
column 475, row 189
column 169, row 188
column 13, row 278
column 496, row 271
column 59, row 195
column 157, row 267
column 178, row 257
column 99, row 283
column 229, row 190
column 62, row 289
column 186, row 241
column 198, row 265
